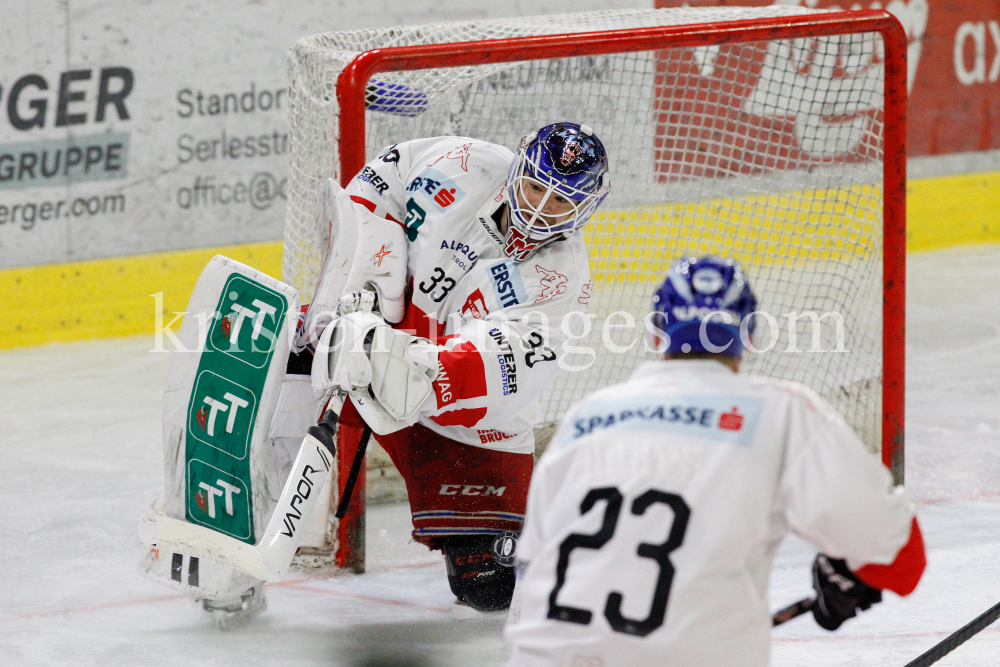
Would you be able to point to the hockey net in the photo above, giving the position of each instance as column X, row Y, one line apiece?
column 772, row 148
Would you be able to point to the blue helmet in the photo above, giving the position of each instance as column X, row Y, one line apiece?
column 562, row 162
column 702, row 304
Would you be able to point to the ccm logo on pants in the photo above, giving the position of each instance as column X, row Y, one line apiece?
column 471, row 490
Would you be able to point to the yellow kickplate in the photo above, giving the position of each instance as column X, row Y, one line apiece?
column 952, row 210
column 110, row 297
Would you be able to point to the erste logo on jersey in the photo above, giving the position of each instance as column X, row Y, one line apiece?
column 507, row 284
column 730, row 419
column 436, row 188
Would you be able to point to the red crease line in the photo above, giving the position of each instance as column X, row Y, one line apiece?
column 288, row 583
column 91, row 607
column 990, row 496
column 369, row 598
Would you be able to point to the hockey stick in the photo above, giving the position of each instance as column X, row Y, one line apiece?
column 272, row 555
column 352, row 477
column 956, row 639
column 792, row 610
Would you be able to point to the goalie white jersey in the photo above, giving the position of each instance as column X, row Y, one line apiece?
column 499, row 324
column 654, row 515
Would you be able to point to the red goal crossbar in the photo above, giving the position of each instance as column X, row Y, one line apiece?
column 353, row 80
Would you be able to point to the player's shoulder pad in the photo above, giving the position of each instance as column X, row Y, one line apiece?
column 449, row 174
column 458, row 158
column 557, row 276
column 563, row 440
column 799, row 392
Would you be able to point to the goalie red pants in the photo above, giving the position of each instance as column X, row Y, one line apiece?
column 454, row 488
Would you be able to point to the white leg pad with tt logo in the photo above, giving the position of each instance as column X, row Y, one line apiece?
column 225, row 379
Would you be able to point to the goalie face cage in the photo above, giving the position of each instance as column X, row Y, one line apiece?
column 775, row 136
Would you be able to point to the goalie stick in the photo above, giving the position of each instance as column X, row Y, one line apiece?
column 957, row 638
column 271, row 557
column 352, row 478
column 792, row 610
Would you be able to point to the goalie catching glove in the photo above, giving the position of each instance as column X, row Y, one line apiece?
column 839, row 592
column 387, row 373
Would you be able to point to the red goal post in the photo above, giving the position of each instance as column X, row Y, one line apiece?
column 351, row 132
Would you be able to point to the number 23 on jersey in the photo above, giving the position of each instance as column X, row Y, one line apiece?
column 613, row 500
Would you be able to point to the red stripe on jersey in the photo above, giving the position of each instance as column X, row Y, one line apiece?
column 461, row 374
column 902, row 575
column 371, row 206
column 364, row 202
column 467, row 417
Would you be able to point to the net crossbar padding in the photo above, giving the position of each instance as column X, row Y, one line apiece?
column 775, row 136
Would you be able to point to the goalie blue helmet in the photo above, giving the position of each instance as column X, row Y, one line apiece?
column 702, row 304
column 557, row 180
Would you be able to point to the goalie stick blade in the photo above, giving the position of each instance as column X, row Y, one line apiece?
column 193, row 540
column 270, row 558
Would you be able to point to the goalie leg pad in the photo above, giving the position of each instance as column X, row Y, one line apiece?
column 221, row 395
column 197, row 578
column 269, row 559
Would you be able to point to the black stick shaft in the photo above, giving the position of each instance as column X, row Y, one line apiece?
column 956, row 639
column 792, row 610
column 352, row 478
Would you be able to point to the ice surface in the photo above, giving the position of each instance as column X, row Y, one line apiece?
column 80, row 458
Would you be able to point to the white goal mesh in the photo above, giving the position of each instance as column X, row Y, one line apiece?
column 767, row 152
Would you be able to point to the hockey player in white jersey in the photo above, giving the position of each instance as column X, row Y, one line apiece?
column 473, row 255
column 655, row 513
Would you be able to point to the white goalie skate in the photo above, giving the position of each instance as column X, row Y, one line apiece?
column 236, row 612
